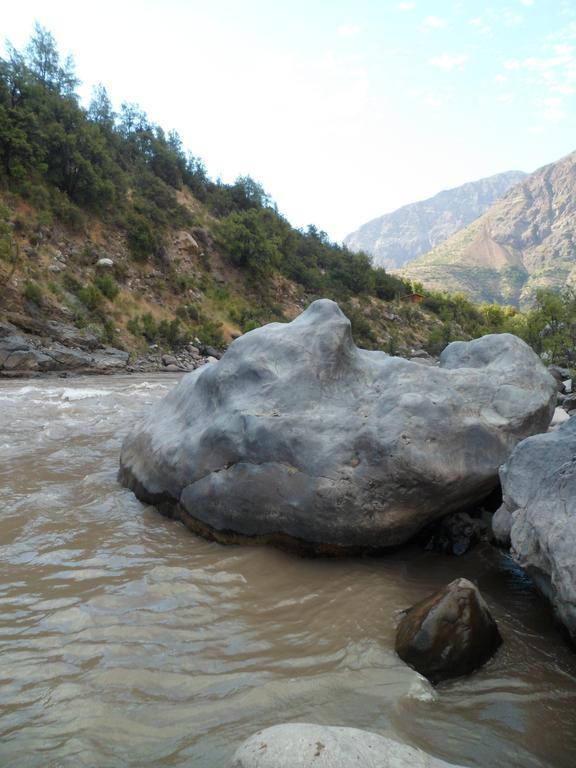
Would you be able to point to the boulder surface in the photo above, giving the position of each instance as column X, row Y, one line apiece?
column 539, row 503
column 448, row 634
column 303, row 745
column 296, row 435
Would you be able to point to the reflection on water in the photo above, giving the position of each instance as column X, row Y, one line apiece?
column 127, row 641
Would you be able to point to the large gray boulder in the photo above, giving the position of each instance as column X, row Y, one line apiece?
column 539, row 503
column 296, row 435
column 303, row 745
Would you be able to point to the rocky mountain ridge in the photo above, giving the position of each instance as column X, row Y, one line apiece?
column 525, row 241
column 397, row 238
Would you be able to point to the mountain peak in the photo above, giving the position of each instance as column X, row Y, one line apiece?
column 524, row 241
column 397, row 238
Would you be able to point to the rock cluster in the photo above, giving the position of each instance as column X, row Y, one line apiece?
column 320, row 746
column 185, row 359
column 538, row 515
column 31, row 347
column 297, row 436
column 21, row 354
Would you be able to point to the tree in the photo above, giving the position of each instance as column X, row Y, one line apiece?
column 244, row 237
column 43, row 60
column 100, row 109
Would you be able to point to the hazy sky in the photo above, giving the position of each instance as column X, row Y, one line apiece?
column 342, row 110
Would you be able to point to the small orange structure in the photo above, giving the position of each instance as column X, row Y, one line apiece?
column 413, row 298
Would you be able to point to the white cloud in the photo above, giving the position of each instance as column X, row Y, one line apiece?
column 505, row 16
column 500, row 78
column 551, row 109
column 527, row 2
column 433, row 101
column 349, row 30
column 505, row 97
column 553, row 115
column 478, row 23
column 448, row 63
column 406, row 6
column 435, row 22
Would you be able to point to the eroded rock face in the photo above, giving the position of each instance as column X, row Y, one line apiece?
column 320, row 746
column 539, row 501
column 448, row 634
column 298, row 435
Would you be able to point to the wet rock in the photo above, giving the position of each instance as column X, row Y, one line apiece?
column 559, row 417
column 558, row 374
column 212, row 352
column 297, row 436
column 169, row 360
column 453, row 535
column 501, row 526
column 423, row 360
column 110, row 359
column 68, row 357
column 448, row 634
column 30, row 360
column 539, row 497
column 321, row 746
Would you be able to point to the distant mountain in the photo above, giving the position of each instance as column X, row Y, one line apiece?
column 399, row 237
column 527, row 239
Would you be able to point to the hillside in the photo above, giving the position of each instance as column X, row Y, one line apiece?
column 525, row 241
column 118, row 252
column 397, row 238
column 112, row 236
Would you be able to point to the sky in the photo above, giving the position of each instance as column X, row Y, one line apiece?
column 342, row 110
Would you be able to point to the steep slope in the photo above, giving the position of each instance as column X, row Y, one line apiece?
column 401, row 236
column 526, row 240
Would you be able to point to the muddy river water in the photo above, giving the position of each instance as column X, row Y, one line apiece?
column 127, row 641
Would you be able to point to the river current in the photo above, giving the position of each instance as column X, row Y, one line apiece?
column 125, row 640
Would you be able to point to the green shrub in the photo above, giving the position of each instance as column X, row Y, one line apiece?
column 121, row 272
column 142, row 241
column 107, row 286
column 91, row 297
column 33, row 292
column 149, row 328
column 210, row 333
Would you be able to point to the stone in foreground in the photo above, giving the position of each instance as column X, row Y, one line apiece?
column 539, row 502
column 448, row 634
column 302, row 745
column 297, row 437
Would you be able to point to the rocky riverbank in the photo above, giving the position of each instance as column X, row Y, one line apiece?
column 33, row 348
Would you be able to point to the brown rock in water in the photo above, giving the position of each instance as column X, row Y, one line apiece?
column 448, row 634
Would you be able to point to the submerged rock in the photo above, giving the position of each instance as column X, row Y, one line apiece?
column 454, row 534
column 539, row 503
column 321, row 746
column 448, row 634
column 299, row 436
